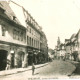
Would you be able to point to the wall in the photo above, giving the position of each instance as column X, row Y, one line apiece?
column 9, row 34
column 33, row 34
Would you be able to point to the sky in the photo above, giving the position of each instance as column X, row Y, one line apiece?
column 58, row 18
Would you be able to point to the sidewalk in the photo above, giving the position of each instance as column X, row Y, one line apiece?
column 18, row 70
column 73, row 62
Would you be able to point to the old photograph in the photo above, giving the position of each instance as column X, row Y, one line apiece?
column 39, row 39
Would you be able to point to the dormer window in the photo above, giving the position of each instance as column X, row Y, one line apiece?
column 14, row 17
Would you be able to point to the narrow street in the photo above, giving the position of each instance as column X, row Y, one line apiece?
column 57, row 68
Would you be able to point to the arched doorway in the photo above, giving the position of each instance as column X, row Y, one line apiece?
column 30, row 58
column 20, row 59
column 3, row 59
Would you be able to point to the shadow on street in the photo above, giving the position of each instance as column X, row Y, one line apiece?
column 77, row 70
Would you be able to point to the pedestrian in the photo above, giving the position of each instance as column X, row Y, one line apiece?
column 33, row 68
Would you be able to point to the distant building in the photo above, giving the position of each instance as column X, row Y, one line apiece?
column 57, row 48
column 50, row 53
column 72, row 47
column 62, row 51
column 77, row 44
column 44, row 46
column 68, row 48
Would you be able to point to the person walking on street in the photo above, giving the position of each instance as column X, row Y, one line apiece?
column 33, row 68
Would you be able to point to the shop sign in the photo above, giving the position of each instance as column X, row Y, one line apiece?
column 6, row 47
column 21, row 49
column 29, row 49
column 11, row 51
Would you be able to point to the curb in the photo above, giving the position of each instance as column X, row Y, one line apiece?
column 22, row 70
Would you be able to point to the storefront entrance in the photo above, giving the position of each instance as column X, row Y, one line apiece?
column 20, row 59
column 3, row 59
column 30, row 58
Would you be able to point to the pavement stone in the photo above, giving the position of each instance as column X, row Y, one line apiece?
column 57, row 67
column 18, row 70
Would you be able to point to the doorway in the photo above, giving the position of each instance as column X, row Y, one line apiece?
column 20, row 59
column 3, row 59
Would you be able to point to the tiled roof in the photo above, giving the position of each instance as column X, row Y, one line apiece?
column 73, row 35
column 8, row 11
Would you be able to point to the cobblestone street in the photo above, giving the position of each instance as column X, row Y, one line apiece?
column 55, row 69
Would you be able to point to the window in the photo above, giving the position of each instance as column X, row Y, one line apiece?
column 21, row 36
column 30, row 41
column 14, row 17
column 34, row 43
column 30, row 30
column 3, row 31
column 24, row 38
column 22, row 57
column 18, row 35
column 38, row 44
column 27, row 40
column 14, row 34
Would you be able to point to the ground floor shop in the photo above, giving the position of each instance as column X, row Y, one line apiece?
column 12, row 56
column 17, row 56
column 35, row 56
column 32, row 55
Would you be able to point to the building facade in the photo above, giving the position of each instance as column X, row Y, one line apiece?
column 12, row 39
column 35, row 37
column 44, row 46
column 20, row 41
column 68, row 48
column 72, row 47
column 57, row 49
